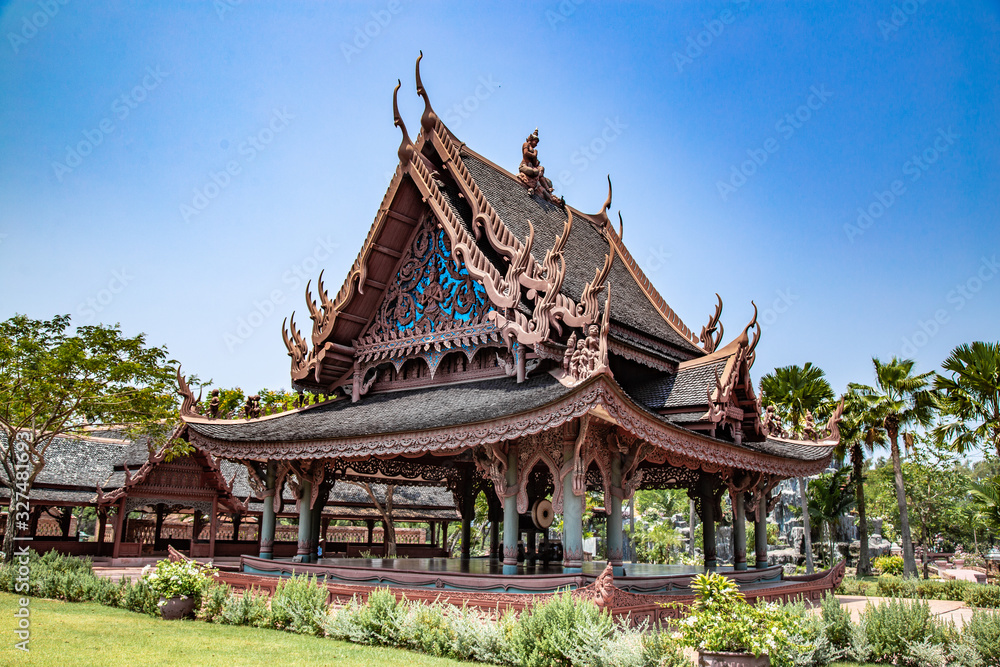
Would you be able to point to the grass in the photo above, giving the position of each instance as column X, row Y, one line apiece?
column 77, row 634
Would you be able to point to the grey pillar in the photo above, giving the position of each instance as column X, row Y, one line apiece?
column 708, row 519
column 304, row 551
column 760, row 533
column 267, row 520
column 739, row 533
column 510, row 516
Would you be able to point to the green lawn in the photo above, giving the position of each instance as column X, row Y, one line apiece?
column 72, row 634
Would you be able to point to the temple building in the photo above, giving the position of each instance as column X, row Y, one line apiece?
column 491, row 337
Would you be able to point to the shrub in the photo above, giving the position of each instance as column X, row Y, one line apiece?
column 137, row 597
column 983, row 632
column 982, row 595
column 299, row 605
column 836, row 622
column 379, row 621
column 891, row 586
column 212, row 601
column 889, row 564
column 246, row 608
column 479, row 637
column 430, row 631
column 561, row 630
column 853, row 586
column 660, row 649
column 892, row 627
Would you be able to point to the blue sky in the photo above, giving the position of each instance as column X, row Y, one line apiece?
column 183, row 168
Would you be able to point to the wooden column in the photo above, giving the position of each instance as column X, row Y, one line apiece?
column 65, row 519
column 324, row 528
column 572, row 515
column 237, row 521
column 159, row 523
column 760, row 533
column 613, row 525
column 119, row 527
column 267, row 519
column 304, row 549
column 468, row 513
column 370, row 523
column 708, row 519
column 739, row 533
column 102, row 521
column 213, row 527
column 444, row 536
column 510, row 516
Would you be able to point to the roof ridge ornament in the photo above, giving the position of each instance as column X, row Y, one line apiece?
column 711, row 333
column 189, row 404
column 429, row 119
column 531, row 173
column 602, row 215
column 405, row 150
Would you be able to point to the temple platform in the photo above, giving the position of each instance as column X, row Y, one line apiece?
column 641, row 596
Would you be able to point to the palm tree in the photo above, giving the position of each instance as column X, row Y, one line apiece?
column 971, row 396
column 986, row 499
column 899, row 400
column 796, row 391
column 830, row 497
column 858, row 438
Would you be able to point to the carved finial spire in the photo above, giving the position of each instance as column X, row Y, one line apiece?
column 745, row 337
column 711, row 333
column 602, row 215
column 189, row 402
column 621, row 226
column 429, row 119
column 405, row 150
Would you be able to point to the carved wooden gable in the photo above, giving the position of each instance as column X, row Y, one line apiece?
column 432, row 308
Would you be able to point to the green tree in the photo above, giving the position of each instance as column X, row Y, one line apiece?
column 970, row 398
column 858, row 437
column 54, row 383
column 831, row 496
column 796, row 391
column 899, row 400
column 985, row 496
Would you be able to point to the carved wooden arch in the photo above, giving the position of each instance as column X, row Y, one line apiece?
column 545, row 448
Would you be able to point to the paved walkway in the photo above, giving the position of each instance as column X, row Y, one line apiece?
column 942, row 610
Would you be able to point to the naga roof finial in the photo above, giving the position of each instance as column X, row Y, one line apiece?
column 621, row 226
column 405, row 150
column 429, row 119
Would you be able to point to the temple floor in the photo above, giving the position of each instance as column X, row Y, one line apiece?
column 492, row 566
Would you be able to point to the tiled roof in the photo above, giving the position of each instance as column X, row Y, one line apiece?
column 688, row 387
column 803, row 451
column 397, row 412
column 584, row 253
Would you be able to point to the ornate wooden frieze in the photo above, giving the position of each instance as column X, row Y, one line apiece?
column 545, row 448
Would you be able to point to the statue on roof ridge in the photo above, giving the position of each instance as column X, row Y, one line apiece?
column 531, row 173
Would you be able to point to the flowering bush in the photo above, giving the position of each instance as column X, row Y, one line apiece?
column 722, row 621
column 178, row 579
column 889, row 564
